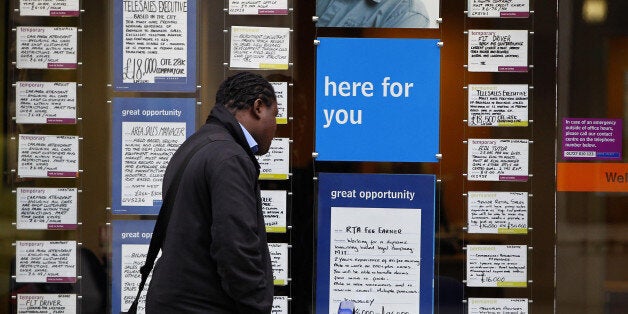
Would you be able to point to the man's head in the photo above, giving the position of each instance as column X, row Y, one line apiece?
column 252, row 100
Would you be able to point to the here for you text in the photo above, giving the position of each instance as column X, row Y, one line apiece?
column 332, row 88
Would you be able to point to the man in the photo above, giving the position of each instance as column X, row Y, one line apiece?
column 372, row 13
column 215, row 255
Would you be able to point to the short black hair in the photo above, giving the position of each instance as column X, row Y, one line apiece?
column 241, row 90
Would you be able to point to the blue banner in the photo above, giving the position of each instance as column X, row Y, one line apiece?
column 375, row 242
column 377, row 99
column 145, row 134
column 154, row 45
column 130, row 241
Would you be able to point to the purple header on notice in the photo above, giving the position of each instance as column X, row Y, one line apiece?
column 514, row 14
column 62, row 65
column 60, row 120
column 62, row 174
column 592, row 139
column 272, row 12
column 64, row 13
column 61, row 279
column 61, row 226
column 505, row 177
column 506, row 68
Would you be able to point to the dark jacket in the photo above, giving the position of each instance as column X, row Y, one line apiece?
column 215, row 255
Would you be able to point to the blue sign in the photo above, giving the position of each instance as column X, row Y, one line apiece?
column 375, row 242
column 377, row 99
column 145, row 134
column 130, row 241
column 154, row 46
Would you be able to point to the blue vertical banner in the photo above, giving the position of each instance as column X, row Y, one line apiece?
column 145, row 134
column 130, row 241
column 377, row 99
column 375, row 242
column 154, row 45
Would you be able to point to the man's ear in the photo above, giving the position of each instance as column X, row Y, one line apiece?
column 257, row 108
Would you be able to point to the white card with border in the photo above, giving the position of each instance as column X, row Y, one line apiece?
column 498, row 160
column 49, row 303
column 48, row 156
column 44, row 47
column 274, row 203
column 45, row 102
column 56, row 8
column 279, row 260
column 258, row 7
column 46, row 208
column 280, row 305
column 495, row 50
column 498, row 105
column 260, row 47
column 499, row 8
column 497, row 212
column 45, row 261
column 281, row 91
column 502, row 266
column 275, row 165
column 497, row 305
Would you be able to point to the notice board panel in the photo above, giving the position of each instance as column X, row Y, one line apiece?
column 375, row 242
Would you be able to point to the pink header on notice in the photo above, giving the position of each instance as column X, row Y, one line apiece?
column 64, row 13
column 61, row 226
column 272, row 11
column 62, row 174
column 60, row 120
column 61, row 279
column 512, row 69
column 514, row 14
column 62, row 65
column 512, row 178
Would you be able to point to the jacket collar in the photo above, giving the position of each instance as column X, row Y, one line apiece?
column 220, row 115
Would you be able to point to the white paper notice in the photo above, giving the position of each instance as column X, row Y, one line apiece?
column 45, row 102
column 46, row 303
column 375, row 258
column 498, row 105
column 274, row 207
column 133, row 257
column 45, row 261
column 279, row 260
column 41, row 156
column 281, row 91
column 260, row 47
column 275, row 165
column 497, row 306
column 497, row 212
column 49, row 7
column 155, row 41
column 497, row 266
column 258, row 7
column 498, row 160
column 280, row 305
column 46, row 208
column 41, row 47
column 499, row 8
column 146, row 149
column 498, row 50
